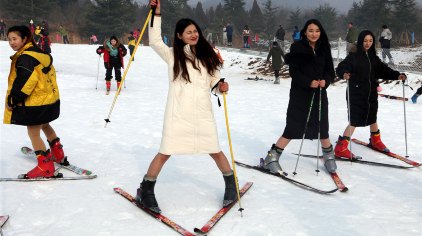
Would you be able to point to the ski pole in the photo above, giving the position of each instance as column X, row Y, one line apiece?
column 98, row 71
column 231, row 151
column 350, row 121
column 404, row 113
column 319, row 129
column 304, row 132
column 107, row 120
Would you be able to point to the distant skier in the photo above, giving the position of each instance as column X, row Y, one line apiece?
column 279, row 36
column 189, row 124
column 33, row 100
column 93, row 39
column 296, row 34
column 229, row 31
column 416, row 95
column 44, row 42
column 2, row 30
column 363, row 69
column 351, row 38
column 246, row 34
column 113, row 59
column 63, row 32
column 131, row 44
column 312, row 71
column 276, row 53
column 385, row 40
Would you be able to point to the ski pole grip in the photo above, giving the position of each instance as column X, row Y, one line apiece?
column 153, row 8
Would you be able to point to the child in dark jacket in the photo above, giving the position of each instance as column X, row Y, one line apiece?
column 113, row 58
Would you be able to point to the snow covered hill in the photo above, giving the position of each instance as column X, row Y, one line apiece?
column 380, row 201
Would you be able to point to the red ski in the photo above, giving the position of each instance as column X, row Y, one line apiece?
column 157, row 216
column 401, row 158
column 3, row 220
column 341, row 187
column 217, row 216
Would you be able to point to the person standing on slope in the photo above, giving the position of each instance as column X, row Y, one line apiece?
column 33, row 100
column 113, row 59
column 276, row 53
column 312, row 71
column 363, row 69
column 189, row 124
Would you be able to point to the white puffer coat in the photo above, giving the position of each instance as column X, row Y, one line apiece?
column 189, row 124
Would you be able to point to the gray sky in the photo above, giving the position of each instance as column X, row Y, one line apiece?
column 341, row 5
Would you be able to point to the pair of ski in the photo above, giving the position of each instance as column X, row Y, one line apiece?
column 178, row 228
column 83, row 173
column 359, row 160
column 3, row 220
column 337, row 181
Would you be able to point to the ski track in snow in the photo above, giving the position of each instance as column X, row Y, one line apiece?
column 380, row 201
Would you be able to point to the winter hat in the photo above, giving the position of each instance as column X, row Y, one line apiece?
column 114, row 37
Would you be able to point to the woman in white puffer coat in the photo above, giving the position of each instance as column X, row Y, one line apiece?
column 189, row 124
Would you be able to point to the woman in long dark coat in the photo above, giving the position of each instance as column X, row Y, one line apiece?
column 311, row 67
column 363, row 69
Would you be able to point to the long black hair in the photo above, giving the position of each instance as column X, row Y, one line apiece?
column 361, row 37
column 323, row 43
column 24, row 32
column 203, row 52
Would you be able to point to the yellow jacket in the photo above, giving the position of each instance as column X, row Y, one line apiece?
column 32, row 88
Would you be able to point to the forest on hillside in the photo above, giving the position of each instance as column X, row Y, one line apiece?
column 104, row 18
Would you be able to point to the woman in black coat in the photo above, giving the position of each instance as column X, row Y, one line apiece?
column 311, row 68
column 363, row 69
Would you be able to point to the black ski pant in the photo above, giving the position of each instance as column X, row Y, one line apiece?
column 131, row 49
column 419, row 91
column 113, row 63
column 65, row 40
column 276, row 73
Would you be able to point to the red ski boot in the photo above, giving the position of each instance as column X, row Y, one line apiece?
column 57, row 151
column 45, row 167
column 342, row 148
column 376, row 143
column 108, row 85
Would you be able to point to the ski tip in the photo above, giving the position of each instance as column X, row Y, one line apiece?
column 343, row 190
column 196, row 230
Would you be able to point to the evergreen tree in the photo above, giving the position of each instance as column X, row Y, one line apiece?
column 25, row 10
column 235, row 12
column 269, row 20
column 109, row 17
column 295, row 19
column 173, row 11
column 405, row 15
column 371, row 14
column 219, row 16
column 327, row 15
column 256, row 22
column 200, row 17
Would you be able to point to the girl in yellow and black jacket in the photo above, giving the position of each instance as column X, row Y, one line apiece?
column 33, row 100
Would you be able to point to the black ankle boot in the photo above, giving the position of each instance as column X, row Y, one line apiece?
column 230, row 195
column 146, row 196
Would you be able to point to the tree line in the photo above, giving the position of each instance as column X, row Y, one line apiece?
column 118, row 17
